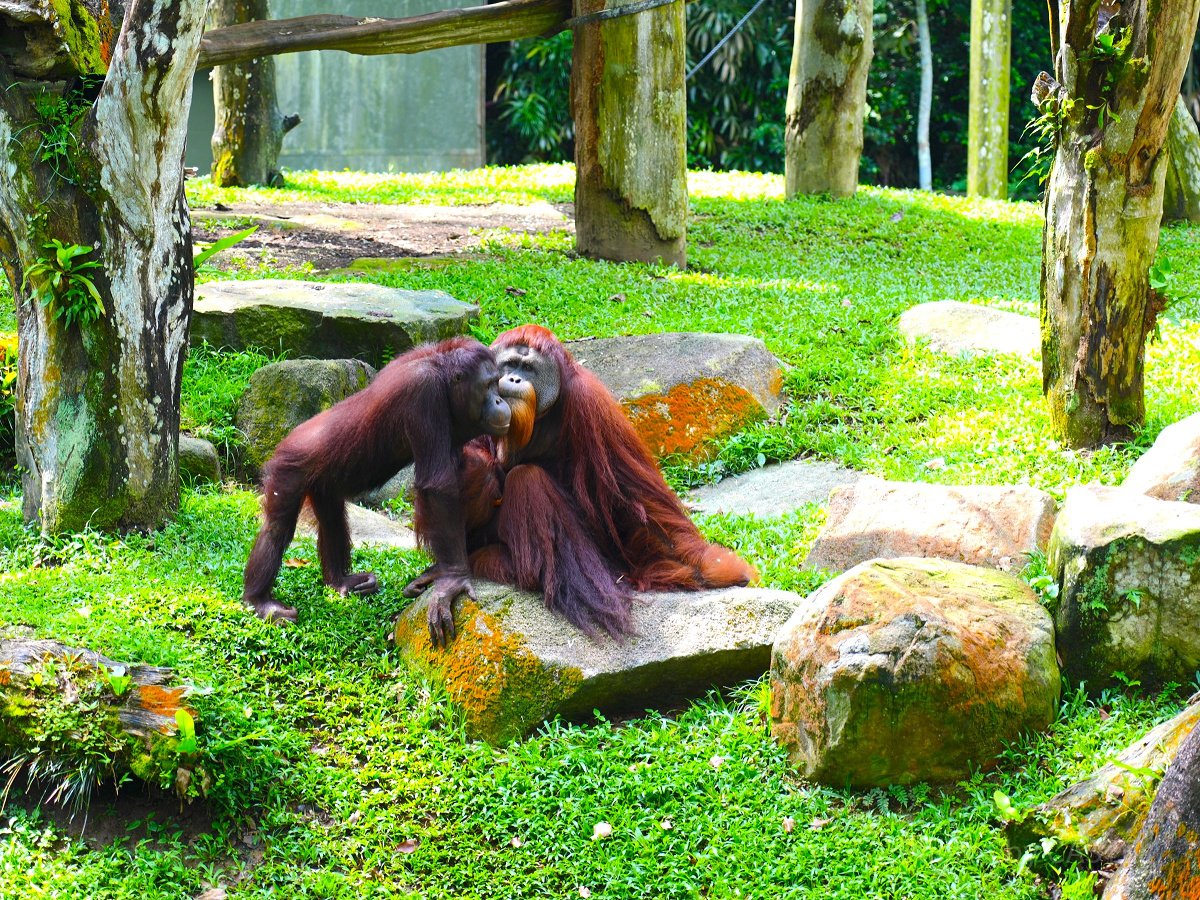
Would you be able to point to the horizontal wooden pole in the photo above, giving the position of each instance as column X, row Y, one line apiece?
column 507, row 21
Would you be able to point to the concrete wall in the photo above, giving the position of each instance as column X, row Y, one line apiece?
column 408, row 113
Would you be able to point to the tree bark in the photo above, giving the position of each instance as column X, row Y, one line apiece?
column 1164, row 863
column 1103, row 207
column 98, row 403
column 827, row 97
column 1181, row 194
column 987, row 119
column 630, row 111
column 250, row 128
column 925, row 105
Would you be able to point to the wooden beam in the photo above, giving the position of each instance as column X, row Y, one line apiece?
column 507, row 21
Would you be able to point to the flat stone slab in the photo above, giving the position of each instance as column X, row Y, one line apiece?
column 907, row 670
column 685, row 392
column 1128, row 570
column 325, row 320
column 949, row 326
column 1170, row 470
column 366, row 527
column 772, row 490
column 996, row 526
column 514, row 664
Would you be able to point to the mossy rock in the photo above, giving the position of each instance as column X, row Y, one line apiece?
column 1128, row 569
column 908, row 670
column 325, row 320
column 282, row 395
column 513, row 664
column 685, row 393
column 198, row 460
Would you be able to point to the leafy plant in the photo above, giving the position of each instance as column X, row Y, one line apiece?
column 59, row 284
column 1037, row 575
column 187, row 731
column 206, row 251
column 117, row 681
column 56, row 116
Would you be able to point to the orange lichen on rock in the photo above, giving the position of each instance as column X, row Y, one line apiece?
column 689, row 418
column 161, row 701
column 501, row 688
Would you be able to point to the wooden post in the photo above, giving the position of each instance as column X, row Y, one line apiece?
column 630, row 110
column 987, row 119
column 827, row 97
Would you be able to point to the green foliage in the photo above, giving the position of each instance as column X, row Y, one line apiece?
column 532, row 118
column 60, row 285
column 202, row 252
column 213, row 383
column 56, row 120
column 1037, row 575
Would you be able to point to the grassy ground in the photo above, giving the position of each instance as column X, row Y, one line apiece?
column 353, row 778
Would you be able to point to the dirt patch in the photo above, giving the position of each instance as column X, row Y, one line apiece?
column 333, row 235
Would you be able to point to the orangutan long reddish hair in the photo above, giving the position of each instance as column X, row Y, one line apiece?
column 579, row 509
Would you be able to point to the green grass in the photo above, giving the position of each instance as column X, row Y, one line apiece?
column 352, row 777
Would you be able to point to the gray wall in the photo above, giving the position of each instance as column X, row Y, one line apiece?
column 417, row 112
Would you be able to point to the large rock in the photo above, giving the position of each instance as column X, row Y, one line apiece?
column 325, row 320
column 773, row 490
column 949, row 326
column 514, row 664
column 686, row 392
column 997, row 526
column 366, row 527
column 198, row 459
column 1170, row 470
column 911, row 670
column 1103, row 813
column 282, row 395
column 1128, row 569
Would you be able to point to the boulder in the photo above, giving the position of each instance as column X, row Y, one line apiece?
column 948, row 326
column 366, row 527
column 1128, row 569
column 325, row 320
column 997, row 526
column 399, row 485
column 198, row 459
column 282, row 395
column 1103, row 813
column 513, row 664
column 1170, row 470
column 686, row 392
column 772, row 490
column 909, row 670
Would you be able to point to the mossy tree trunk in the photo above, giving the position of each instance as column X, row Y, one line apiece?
column 630, row 111
column 827, row 97
column 987, row 117
column 1164, row 862
column 1119, row 80
column 250, row 129
column 98, row 402
column 1181, row 194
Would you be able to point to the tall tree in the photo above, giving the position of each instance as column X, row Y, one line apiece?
column 99, row 376
column 250, row 128
column 925, row 104
column 827, row 97
column 987, row 115
column 1111, row 105
column 630, row 110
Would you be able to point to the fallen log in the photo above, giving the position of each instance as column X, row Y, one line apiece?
column 74, row 718
column 506, row 21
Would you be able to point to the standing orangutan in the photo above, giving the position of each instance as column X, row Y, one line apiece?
column 421, row 408
column 571, row 502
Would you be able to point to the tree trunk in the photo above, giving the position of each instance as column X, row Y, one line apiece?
column 1103, row 207
column 98, row 402
column 827, row 97
column 630, row 111
column 987, row 120
column 1181, row 194
column 925, row 106
column 250, row 129
column 1164, row 863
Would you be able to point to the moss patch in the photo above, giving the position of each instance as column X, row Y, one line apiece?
column 690, row 419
